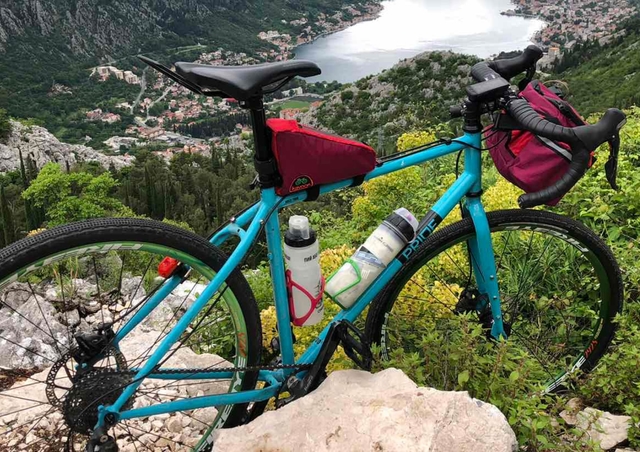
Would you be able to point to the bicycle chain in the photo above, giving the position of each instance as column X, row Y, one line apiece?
column 217, row 370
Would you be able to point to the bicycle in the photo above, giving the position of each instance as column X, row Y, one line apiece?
column 206, row 351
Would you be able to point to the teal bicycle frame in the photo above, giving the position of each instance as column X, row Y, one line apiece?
column 264, row 214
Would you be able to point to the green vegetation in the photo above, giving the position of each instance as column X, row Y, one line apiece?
column 293, row 104
column 73, row 196
column 413, row 95
column 604, row 76
column 5, row 126
column 209, row 126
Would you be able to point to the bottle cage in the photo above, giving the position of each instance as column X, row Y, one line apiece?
column 299, row 321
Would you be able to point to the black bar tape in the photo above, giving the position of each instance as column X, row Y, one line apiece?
column 508, row 68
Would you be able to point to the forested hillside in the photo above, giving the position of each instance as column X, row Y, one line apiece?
column 91, row 29
column 414, row 94
column 47, row 48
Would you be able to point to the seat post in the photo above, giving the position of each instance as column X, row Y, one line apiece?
column 264, row 161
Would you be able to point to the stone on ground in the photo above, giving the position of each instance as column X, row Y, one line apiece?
column 357, row 411
column 604, row 428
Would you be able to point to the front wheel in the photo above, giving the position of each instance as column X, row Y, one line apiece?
column 64, row 286
column 560, row 288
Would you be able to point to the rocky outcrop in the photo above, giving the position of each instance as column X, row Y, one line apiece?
column 357, row 411
column 42, row 147
column 601, row 427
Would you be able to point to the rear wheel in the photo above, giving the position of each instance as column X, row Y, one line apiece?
column 75, row 279
column 560, row 288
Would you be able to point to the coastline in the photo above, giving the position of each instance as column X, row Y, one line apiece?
column 287, row 44
column 569, row 23
column 375, row 8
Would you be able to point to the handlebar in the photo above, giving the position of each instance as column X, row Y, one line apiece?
column 582, row 139
column 507, row 68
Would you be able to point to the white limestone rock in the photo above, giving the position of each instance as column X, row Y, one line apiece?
column 604, row 428
column 357, row 411
column 42, row 147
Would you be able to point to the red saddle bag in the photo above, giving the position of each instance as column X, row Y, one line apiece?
column 307, row 157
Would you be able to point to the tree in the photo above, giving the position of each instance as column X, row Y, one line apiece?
column 7, row 221
column 5, row 126
column 67, row 197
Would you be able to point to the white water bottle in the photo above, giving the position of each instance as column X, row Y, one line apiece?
column 304, row 277
column 381, row 247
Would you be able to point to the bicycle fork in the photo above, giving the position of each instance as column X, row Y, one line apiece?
column 484, row 264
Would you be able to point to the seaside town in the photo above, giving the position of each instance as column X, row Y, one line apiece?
column 569, row 22
column 164, row 130
column 166, row 114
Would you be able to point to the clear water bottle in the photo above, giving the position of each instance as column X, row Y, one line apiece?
column 304, row 277
column 383, row 245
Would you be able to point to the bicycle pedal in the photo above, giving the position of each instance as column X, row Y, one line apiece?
column 355, row 345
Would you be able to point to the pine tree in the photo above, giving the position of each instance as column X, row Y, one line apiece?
column 23, row 172
column 7, row 220
column 32, row 169
column 150, row 190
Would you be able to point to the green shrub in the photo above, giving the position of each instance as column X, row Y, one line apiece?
column 614, row 385
column 462, row 359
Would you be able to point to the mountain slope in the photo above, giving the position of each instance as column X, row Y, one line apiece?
column 607, row 76
column 48, row 47
column 97, row 28
column 415, row 94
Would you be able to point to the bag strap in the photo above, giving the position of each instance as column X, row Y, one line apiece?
column 358, row 180
column 313, row 193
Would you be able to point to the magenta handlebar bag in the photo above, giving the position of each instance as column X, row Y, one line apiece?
column 527, row 160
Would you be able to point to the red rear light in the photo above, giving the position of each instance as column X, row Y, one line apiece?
column 167, row 267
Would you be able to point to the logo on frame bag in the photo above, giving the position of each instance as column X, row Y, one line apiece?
column 301, row 183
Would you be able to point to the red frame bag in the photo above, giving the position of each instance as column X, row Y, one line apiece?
column 307, row 157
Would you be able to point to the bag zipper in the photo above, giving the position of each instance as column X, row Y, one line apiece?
column 562, row 106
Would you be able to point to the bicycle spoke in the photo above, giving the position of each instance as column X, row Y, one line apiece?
column 144, row 355
column 15, row 311
column 502, row 253
column 64, row 293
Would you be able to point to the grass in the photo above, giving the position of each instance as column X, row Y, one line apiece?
column 294, row 104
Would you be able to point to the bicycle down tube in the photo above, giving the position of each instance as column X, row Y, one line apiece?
column 264, row 215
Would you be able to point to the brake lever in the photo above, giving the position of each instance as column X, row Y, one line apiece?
column 611, row 167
